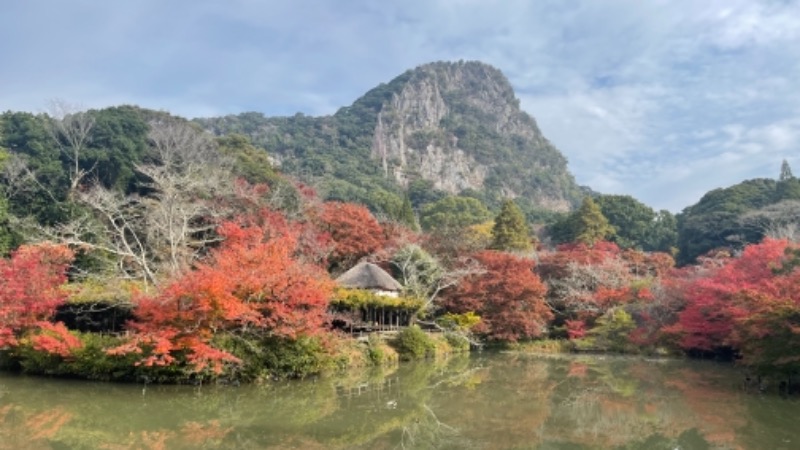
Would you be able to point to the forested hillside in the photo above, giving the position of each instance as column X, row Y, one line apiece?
column 737, row 215
column 440, row 129
column 217, row 257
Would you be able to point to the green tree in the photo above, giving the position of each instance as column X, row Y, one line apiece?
column 715, row 221
column 591, row 224
column 662, row 235
column 37, row 185
column 418, row 270
column 248, row 161
column 421, row 192
column 788, row 187
column 406, row 214
column 510, row 231
column 454, row 212
column 6, row 235
column 786, row 171
column 630, row 218
column 564, row 228
column 612, row 331
column 117, row 144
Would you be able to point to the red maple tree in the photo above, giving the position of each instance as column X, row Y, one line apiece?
column 29, row 288
column 508, row 296
column 354, row 231
column 254, row 283
column 721, row 295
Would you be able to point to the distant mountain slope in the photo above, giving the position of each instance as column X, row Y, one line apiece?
column 734, row 216
column 456, row 127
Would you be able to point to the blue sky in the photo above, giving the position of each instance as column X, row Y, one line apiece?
column 659, row 99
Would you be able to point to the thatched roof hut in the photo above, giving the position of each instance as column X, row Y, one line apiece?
column 369, row 276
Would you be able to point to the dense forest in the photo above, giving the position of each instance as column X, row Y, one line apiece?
column 137, row 245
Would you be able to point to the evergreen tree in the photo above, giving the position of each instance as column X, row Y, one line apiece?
column 592, row 225
column 632, row 220
column 788, row 187
column 510, row 232
column 406, row 214
column 5, row 229
column 786, row 171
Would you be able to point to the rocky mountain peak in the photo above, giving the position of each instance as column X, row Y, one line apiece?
column 448, row 122
column 454, row 126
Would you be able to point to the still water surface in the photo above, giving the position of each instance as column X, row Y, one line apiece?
column 486, row 401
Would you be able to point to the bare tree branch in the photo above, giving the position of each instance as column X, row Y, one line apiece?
column 780, row 220
column 70, row 128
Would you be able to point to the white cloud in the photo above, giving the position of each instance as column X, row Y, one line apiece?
column 663, row 100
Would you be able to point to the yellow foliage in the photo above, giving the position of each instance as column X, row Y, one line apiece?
column 480, row 234
column 460, row 321
column 107, row 291
column 362, row 298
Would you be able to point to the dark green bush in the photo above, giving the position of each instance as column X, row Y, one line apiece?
column 413, row 343
column 273, row 357
column 375, row 350
column 294, row 358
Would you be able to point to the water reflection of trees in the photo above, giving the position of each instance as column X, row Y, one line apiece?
column 340, row 412
column 483, row 402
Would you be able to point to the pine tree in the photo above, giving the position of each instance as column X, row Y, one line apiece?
column 592, row 225
column 510, row 231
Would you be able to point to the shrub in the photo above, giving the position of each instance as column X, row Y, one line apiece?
column 294, row 358
column 611, row 333
column 375, row 349
column 458, row 342
column 89, row 361
column 413, row 343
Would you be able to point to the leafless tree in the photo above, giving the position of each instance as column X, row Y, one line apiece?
column 71, row 128
column 425, row 277
column 581, row 281
column 780, row 220
column 186, row 174
column 163, row 230
column 18, row 178
column 116, row 229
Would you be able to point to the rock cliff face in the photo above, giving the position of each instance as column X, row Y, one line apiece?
column 459, row 126
column 454, row 125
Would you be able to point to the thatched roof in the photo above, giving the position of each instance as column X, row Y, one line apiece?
column 368, row 276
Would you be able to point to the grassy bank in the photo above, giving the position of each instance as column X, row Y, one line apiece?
column 262, row 359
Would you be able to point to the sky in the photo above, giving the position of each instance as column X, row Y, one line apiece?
column 663, row 100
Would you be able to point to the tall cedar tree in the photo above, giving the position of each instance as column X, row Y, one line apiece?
column 510, row 231
column 406, row 215
column 507, row 295
column 592, row 225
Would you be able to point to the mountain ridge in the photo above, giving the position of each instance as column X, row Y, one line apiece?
column 455, row 126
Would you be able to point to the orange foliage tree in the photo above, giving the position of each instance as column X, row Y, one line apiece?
column 507, row 295
column 749, row 304
column 354, row 231
column 254, row 284
column 718, row 298
column 29, row 288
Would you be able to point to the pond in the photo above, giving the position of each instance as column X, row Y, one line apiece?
column 485, row 401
